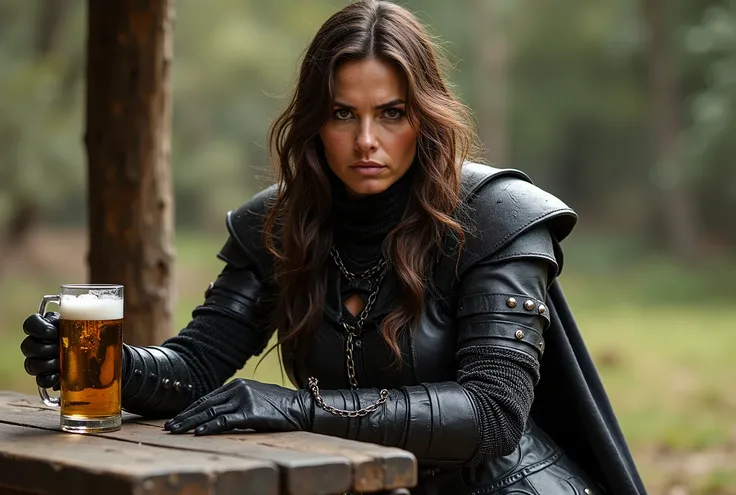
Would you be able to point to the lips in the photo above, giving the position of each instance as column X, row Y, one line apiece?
column 367, row 167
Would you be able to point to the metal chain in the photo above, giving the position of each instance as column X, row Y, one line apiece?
column 354, row 331
column 362, row 275
column 383, row 397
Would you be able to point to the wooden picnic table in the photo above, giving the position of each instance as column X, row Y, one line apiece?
column 142, row 459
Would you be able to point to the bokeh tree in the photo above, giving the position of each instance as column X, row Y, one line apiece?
column 560, row 89
column 39, row 115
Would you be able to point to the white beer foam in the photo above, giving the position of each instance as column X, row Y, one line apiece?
column 91, row 307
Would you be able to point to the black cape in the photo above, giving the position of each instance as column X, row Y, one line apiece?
column 570, row 402
column 572, row 406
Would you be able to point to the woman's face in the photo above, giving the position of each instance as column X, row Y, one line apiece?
column 369, row 142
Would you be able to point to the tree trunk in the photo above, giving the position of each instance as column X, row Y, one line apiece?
column 676, row 205
column 492, row 62
column 129, row 52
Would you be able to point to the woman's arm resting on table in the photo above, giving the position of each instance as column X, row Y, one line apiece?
column 226, row 330
column 481, row 415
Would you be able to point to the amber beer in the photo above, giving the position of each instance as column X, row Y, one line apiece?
column 91, row 345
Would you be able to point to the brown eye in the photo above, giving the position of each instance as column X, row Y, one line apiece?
column 394, row 113
column 342, row 114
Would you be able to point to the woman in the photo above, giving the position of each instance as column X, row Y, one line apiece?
column 410, row 292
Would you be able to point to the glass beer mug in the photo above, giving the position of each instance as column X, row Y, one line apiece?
column 91, row 357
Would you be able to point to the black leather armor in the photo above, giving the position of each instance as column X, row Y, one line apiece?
column 492, row 295
column 156, row 381
column 468, row 399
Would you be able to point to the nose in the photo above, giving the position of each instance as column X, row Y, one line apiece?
column 366, row 140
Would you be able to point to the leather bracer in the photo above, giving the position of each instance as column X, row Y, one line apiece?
column 434, row 421
column 503, row 299
column 156, row 381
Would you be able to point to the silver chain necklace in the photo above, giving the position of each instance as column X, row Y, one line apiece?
column 354, row 331
column 362, row 275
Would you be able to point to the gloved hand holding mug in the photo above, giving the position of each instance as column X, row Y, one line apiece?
column 155, row 380
column 41, row 349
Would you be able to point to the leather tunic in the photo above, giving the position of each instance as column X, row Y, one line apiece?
column 513, row 223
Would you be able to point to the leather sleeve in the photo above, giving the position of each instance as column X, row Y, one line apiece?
column 156, row 382
column 501, row 316
column 230, row 326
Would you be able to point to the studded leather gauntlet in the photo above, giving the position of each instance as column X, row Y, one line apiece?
column 434, row 421
column 156, row 381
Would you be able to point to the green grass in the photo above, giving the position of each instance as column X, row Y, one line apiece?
column 662, row 336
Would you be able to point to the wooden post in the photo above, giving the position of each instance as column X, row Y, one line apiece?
column 127, row 139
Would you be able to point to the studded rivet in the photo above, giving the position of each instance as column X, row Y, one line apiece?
column 542, row 309
column 137, row 372
column 529, row 305
column 588, row 491
column 152, row 376
column 519, row 334
column 209, row 289
column 541, row 344
column 177, row 386
column 511, row 302
column 190, row 387
column 166, row 382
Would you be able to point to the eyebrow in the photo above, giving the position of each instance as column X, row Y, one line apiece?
column 392, row 103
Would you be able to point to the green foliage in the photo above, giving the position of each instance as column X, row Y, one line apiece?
column 577, row 98
column 232, row 75
column 712, row 117
column 40, row 111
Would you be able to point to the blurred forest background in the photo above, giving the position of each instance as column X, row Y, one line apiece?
column 625, row 109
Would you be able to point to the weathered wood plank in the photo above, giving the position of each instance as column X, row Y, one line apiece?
column 374, row 467
column 308, row 461
column 50, row 462
column 301, row 471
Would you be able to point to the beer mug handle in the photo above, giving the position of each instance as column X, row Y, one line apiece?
column 49, row 401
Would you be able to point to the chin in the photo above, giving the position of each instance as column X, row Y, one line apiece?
column 368, row 187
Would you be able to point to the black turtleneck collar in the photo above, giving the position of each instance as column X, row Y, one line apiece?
column 361, row 224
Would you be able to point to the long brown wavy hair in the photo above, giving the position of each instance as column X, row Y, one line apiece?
column 298, row 231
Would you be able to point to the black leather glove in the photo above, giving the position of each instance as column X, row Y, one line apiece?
column 443, row 408
column 249, row 405
column 41, row 349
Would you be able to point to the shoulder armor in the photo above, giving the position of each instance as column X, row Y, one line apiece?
column 245, row 245
column 499, row 205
